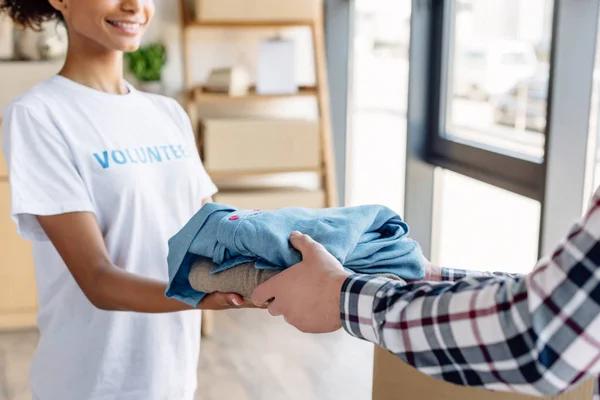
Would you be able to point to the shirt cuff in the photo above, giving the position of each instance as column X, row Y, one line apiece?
column 357, row 301
column 453, row 274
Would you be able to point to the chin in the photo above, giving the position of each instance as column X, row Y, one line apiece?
column 125, row 41
column 130, row 47
column 125, row 46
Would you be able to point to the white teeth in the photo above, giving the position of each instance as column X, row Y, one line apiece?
column 126, row 25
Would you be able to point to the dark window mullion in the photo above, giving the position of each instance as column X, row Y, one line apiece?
column 514, row 173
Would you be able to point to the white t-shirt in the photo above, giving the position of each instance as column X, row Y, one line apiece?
column 130, row 159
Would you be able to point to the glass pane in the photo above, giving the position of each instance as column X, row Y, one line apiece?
column 594, row 145
column 484, row 228
column 499, row 54
column 377, row 138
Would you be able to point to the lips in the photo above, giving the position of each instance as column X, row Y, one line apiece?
column 126, row 26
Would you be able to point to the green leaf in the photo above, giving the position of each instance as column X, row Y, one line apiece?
column 147, row 62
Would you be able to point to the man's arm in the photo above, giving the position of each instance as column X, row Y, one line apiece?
column 530, row 334
column 538, row 333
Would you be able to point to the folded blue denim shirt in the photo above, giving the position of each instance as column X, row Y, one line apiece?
column 370, row 239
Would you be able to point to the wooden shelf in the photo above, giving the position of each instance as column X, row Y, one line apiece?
column 271, row 198
column 200, row 93
column 14, row 63
column 222, row 175
column 226, row 17
column 194, row 24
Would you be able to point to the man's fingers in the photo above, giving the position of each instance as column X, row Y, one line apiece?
column 304, row 244
column 264, row 292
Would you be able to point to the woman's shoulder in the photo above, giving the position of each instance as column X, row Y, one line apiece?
column 170, row 106
column 165, row 103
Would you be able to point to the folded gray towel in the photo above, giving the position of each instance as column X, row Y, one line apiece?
column 242, row 279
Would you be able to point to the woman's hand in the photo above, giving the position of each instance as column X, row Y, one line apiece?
column 78, row 240
column 433, row 273
column 224, row 301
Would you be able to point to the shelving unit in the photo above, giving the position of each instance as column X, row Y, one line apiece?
column 198, row 94
column 248, row 174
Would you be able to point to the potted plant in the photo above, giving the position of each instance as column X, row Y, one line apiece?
column 146, row 64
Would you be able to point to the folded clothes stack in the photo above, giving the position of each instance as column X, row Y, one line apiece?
column 225, row 249
column 242, row 279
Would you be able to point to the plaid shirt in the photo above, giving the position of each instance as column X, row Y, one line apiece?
column 534, row 334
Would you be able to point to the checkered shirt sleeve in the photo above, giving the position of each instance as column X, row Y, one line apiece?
column 534, row 334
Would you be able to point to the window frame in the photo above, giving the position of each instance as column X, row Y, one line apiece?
column 339, row 41
column 513, row 172
column 564, row 168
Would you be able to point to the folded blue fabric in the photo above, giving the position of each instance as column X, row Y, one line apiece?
column 369, row 239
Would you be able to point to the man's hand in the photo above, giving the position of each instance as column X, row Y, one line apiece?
column 308, row 293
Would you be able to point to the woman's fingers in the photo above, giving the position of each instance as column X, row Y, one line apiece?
column 274, row 309
column 228, row 299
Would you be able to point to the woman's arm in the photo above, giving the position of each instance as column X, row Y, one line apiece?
column 78, row 240
column 435, row 273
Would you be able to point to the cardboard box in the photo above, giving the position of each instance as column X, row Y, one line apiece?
column 272, row 199
column 393, row 379
column 18, row 298
column 3, row 167
column 257, row 10
column 247, row 145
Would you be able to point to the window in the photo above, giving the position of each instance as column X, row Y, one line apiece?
column 510, row 165
column 593, row 165
column 489, row 101
column 481, row 227
column 491, row 69
column 510, row 59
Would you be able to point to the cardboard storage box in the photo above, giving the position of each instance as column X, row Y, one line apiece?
column 393, row 379
column 3, row 167
column 18, row 299
column 256, row 10
column 272, row 199
column 247, row 145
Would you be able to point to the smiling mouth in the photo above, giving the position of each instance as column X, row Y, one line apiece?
column 130, row 27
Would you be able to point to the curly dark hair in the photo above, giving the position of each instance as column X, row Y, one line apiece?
column 30, row 13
